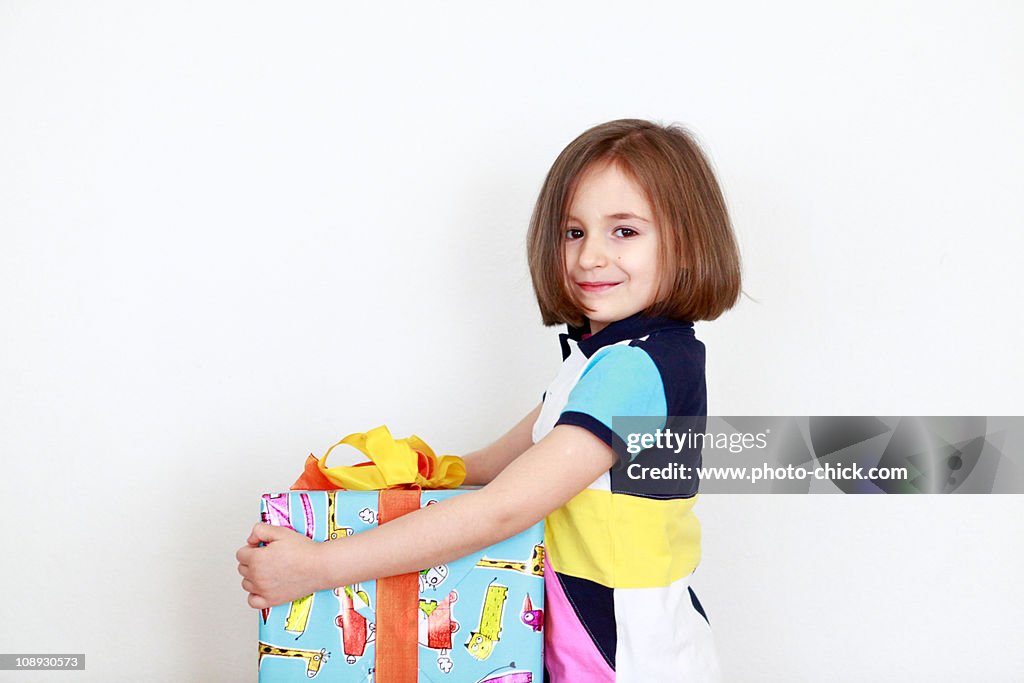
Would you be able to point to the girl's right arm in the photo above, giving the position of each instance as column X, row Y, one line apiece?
column 484, row 465
column 541, row 480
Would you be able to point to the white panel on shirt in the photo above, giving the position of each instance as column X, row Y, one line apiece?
column 661, row 637
column 558, row 395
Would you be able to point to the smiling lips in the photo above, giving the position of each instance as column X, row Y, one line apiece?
column 596, row 287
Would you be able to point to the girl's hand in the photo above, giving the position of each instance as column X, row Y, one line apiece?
column 284, row 569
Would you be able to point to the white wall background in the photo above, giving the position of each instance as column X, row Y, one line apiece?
column 234, row 232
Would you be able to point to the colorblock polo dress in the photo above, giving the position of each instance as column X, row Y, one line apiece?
column 620, row 554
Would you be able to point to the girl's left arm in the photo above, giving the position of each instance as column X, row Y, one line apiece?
column 536, row 483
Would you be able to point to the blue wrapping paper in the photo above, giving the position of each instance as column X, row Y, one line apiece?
column 480, row 618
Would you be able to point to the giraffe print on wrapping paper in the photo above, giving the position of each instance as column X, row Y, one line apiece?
column 333, row 530
column 313, row 658
column 534, row 566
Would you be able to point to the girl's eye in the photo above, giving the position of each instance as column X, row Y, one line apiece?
column 625, row 232
column 573, row 234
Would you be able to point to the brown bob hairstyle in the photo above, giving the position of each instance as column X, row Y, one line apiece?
column 699, row 261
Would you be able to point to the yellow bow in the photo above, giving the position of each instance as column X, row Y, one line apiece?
column 395, row 463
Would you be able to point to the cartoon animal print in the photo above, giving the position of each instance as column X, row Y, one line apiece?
column 482, row 641
column 436, row 626
column 537, row 560
column 508, row 674
column 298, row 615
column 356, row 632
column 433, row 577
column 534, row 566
column 333, row 530
column 534, row 618
column 313, row 658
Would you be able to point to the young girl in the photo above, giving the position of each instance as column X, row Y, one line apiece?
column 629, row 243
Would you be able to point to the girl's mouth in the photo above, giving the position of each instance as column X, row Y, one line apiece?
column 596, row 287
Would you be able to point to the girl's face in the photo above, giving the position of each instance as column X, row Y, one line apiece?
column 611, row 246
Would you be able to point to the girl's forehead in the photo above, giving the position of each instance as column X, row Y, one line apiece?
column 606, row 190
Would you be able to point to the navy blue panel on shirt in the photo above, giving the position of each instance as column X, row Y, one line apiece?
column 599, row 615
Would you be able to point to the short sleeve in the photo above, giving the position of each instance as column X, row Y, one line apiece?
column 618, row 381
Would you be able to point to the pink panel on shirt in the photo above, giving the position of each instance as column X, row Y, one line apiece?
column 570, row 655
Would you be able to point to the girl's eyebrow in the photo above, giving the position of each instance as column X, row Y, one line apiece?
column 625, row 215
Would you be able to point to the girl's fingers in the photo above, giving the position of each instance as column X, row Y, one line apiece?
column 243, row 555
column 266, row 533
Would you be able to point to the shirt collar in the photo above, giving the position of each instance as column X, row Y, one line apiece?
column 636, row 325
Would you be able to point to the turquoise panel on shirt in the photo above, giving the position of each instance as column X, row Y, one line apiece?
column 617, row 381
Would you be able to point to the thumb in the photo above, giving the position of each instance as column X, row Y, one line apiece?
column 265, row 533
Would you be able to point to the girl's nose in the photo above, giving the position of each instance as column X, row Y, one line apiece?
column 592, row 252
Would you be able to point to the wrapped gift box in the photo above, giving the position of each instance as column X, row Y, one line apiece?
column 478, row 619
